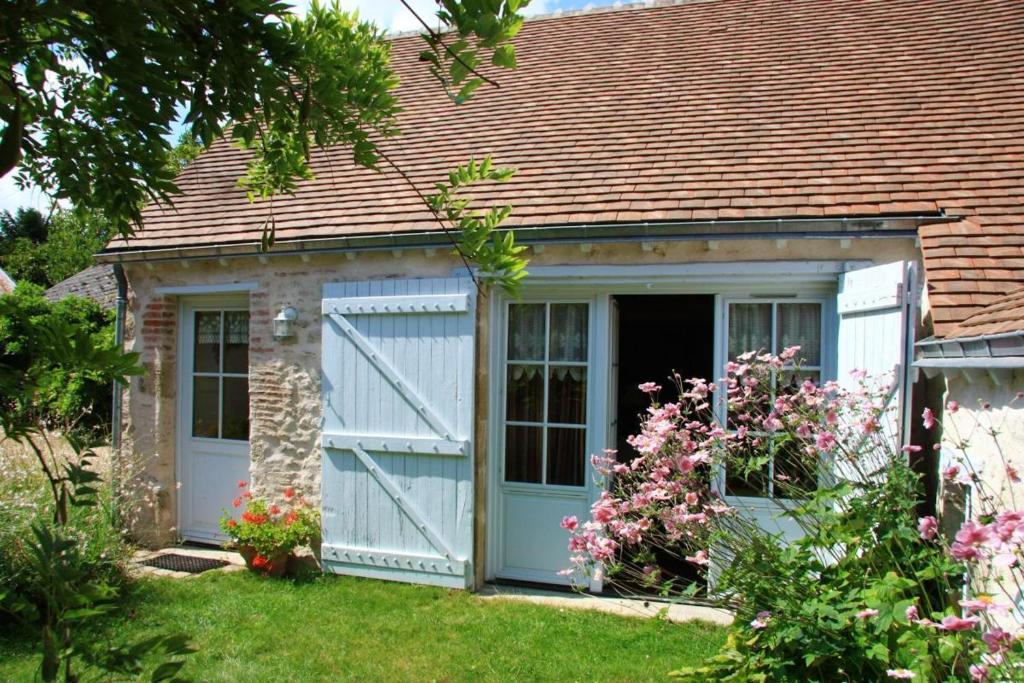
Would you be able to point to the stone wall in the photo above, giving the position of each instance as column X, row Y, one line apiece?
column 986, row 404
column 285, row 375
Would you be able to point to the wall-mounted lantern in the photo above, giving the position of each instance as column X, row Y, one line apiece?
column 284, row 323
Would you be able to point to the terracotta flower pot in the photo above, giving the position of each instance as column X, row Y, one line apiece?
column 268, row 566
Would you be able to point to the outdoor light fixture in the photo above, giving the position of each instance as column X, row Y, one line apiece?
column 284, row 323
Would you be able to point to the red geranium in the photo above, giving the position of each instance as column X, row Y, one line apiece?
column 237, row 502
column 274, row 510
column 289, row 493
column 259, row 562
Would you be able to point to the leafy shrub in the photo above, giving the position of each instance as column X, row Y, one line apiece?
column 868, row 592
column 100, row 549
column 66, row 398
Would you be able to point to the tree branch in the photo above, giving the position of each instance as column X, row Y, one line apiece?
column 437, row 36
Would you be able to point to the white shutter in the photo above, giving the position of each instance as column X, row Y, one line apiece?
column 398, row 375
column 877, row 308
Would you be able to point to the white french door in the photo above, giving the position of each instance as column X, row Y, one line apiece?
column 544, row 438
column 213, row 412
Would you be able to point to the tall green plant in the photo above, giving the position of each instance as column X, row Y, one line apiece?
column 66, row 593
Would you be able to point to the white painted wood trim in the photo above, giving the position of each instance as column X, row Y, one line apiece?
column 395, row 444
column 405, row 506
column 385, row 305
column 227, row 288
column 392, row 560
column 682, row 273
column 392, row 375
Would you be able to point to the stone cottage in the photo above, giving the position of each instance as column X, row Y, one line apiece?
column 693, row 179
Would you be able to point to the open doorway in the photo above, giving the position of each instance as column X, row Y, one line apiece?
column 658, row 335
column 655, row 337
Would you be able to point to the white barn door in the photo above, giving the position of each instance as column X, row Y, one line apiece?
column 877, row 309
column 398, row 376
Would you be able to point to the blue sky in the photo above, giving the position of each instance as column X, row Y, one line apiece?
column 389, row 14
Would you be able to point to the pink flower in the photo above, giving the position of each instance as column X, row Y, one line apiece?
column 905, row 674
column 964, row 553
column 867, row 613
column 952, row 406
column 825, row 441
column 911, row 613
column 954, row 474
column 570, row 523
column 692, row 498
column 983, row 603
column 649, row 388
column 972, row 534
column 699, row 558
column 997, row 640
column 979, row 672
column 928, row 418
column 954, row 623
column 761, row 620
column 928, row 527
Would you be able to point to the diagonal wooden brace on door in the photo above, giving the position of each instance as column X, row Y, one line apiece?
column 407, row 508
column 394, row 378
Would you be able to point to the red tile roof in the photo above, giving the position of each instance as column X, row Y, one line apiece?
column 1002, row 314
column 697, row 111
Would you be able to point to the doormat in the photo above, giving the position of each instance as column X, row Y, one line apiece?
column 184, row 563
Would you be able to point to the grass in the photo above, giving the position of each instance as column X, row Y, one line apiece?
column 342, row 628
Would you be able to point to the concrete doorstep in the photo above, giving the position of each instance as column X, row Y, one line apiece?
column 625, row 607
column 234, row 560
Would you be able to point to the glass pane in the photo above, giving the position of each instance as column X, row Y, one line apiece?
column 207, row 341
column 205, row 399
column 566, row 456
column 236, row 408
column 236, row 342
column 568, row 332
column 525, row 391
column 750, row 328
column 567, row 394
column 789, row 382
column 800, row 325
column 526, row 332
column 523, row 454
column 739, row 481
column 796, row 471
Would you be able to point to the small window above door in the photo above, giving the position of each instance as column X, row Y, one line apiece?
column 220, row 375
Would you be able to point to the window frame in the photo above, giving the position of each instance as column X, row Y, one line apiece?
column 220, row 375
column 825, row 369
column 545, row 424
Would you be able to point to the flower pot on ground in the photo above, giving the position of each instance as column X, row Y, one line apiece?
column 267, row 533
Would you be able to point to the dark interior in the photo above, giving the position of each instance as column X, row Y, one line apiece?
column 658, row 335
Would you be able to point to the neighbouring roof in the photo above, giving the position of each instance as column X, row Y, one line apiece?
column 992, row 337
column 96, row 282
column 698, row 111
column 7, row 283
column 1004, row 314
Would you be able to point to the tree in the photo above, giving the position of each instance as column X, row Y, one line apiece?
column 45, row 251
column 89, row 90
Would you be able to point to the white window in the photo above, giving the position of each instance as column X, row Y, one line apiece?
column 220, row 375
column 771, row 325
column 546, row 376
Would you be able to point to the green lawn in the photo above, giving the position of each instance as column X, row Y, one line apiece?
column 341, row 628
